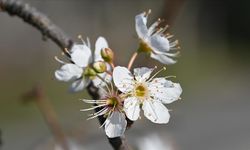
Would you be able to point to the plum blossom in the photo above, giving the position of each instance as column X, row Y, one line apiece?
column 110, row 106
column 154, row 41
column 79, row 68
column 148, row 93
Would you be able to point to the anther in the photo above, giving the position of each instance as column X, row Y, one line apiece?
column 66, row 50
column 79, row 36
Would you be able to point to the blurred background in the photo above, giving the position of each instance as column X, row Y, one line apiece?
column 213, row 70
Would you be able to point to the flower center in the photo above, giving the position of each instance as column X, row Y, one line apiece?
column 144, row 47
column 141, row 91
column 112, row 101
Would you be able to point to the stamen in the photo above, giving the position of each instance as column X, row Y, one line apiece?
column 109, row 113
column 164, row 68
column 66, row 50
column 92, row 108
column 100, row 113
column 88, row 43
column 94, row 101
column 169, row 36
column 80, row 37
column 169, row 77
column 60, row 61
column 172, row 54
column 174, row 43
column 97, row 112
column 147, row 13
column 112, row 87
column 175, row 48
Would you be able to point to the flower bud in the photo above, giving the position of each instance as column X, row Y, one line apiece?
column 90, row 72
column 100, row 66
column 107, row 55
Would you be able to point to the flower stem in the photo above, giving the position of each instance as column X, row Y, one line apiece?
column 109, row 72
column 132, row 59
column 112, row 65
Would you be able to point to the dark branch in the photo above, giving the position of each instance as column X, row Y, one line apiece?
column 49, row 30
column 38, row 20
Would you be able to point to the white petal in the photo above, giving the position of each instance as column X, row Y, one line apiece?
column 79, row 85
column 81, row 55
column 98, row 82
column 115, row 125
column 123, row 79
column 143, row 73
column 140, row 25
column 164, row 90
column 99, row 45
column 68, row 72
column 159, row 43
column 155, row 111
column 153, row 28
column 132, row 108
column 162, row 58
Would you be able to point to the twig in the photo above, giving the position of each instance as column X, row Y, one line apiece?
column 37, row 95
column 49, row 30
column 38, row 20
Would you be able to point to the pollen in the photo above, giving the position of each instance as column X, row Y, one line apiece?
column 112, row 102
column 141, row 91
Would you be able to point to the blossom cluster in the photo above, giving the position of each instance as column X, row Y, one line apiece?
column 123, row 93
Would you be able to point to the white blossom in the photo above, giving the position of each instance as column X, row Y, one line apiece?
column 148, row 93
column 78, row 70
column 154, row 40
column 109, row 106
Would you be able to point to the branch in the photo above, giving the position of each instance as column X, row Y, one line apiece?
column 37, row 95
column 49, row 30
column 35, row 18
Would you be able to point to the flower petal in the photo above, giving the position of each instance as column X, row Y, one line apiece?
column 163, row 58
column 159, row 43
column 98, row 82
column 153, row 28
column 143, row 73
column 81, row 55
column 79, row 85
column 140, row 25
column 68, row 72
column 99, row 45
column 164, row 90
column 132, row 108
column 123, row 79
column 115, row 125
column 155, row 111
